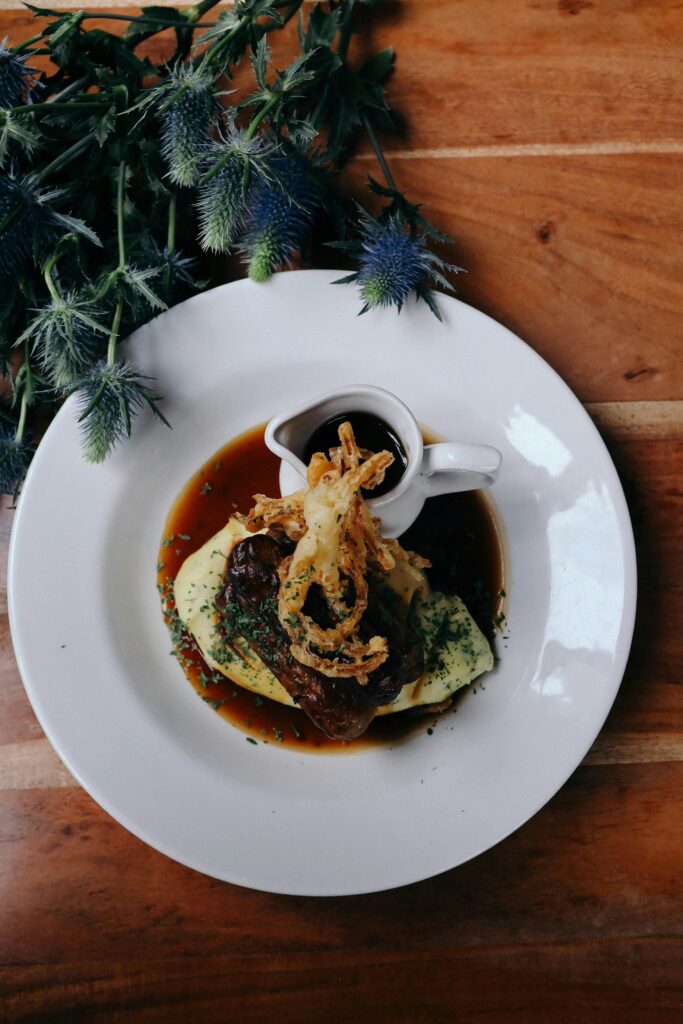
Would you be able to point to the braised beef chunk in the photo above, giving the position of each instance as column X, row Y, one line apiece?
column 339, row 707
column 249, row 605
column 405, row 663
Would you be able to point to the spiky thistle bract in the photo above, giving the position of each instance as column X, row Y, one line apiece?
column 175, row 277
column 280, row 213
column 136, row 287
column 16, row 133
column 15, row 457
column 15, row 76
column 110, row 398
column 66, row 336
column 393, row 262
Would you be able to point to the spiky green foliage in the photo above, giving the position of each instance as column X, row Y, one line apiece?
column 66, row 336
column 110, row 397
column 16, row 134
column 110, row 145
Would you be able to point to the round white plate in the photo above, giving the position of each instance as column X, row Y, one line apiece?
column 94, row 653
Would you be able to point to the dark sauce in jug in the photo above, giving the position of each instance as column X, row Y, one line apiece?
column 457, row 532
column 372, row 434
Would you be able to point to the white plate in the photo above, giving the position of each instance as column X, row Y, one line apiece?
column 94, row 653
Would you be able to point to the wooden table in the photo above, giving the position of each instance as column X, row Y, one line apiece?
column 547, row 138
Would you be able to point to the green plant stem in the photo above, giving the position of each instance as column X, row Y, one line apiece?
column 28, row 42
column 114, row 333
column 346, row 31
column 263, row 112
column 21, row 425
column 211, row 52
column 170, row 239
column 146, row 18
column 118, row 311
column 48, row 107
column 193, row 14
column 26, row 395
column 251, row 131
column 120, row 186
column 70, row 89
column 389, row 178
column 66, row 157
column 170, row 236
column 49, row 281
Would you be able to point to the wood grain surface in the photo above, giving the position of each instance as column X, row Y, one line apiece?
column 547, row 138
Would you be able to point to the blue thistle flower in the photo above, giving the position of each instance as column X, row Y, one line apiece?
column 16, row 241
column 392, row 265
column 27, row 220
column 186, row 122
column 15, row 76
column 281, row 210
column 111, row 396
column 232, row 164
column 393, row 262
column 15, row 457
column 175, row 271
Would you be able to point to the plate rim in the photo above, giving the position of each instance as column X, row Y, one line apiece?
column 625, row 529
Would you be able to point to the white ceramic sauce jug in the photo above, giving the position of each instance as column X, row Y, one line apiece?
column 431, row 469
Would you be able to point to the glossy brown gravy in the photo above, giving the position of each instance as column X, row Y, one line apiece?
column 372, row 434
column 457, row 532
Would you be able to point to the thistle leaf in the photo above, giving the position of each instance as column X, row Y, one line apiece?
column 138, row 287
column 16, row 131
column 260, row 58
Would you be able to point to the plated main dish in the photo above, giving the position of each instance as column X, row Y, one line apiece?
column 298, row 621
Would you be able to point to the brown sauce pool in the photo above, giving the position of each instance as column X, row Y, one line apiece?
column 457, row 532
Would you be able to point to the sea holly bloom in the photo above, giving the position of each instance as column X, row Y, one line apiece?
column 15, row 76
column 233, row 165
column 191, row 108
column 28, row 220
column 393, row 262
column 280, row 213
column 15, row 457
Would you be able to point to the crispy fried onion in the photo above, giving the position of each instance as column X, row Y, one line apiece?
column 337, row 543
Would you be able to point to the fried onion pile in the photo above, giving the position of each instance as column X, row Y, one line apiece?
column 338, row 545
